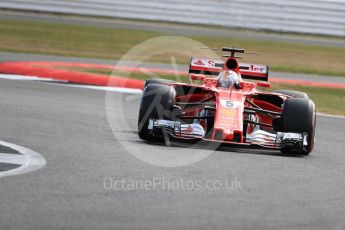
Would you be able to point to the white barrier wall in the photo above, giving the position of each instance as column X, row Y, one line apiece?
column 308, row 16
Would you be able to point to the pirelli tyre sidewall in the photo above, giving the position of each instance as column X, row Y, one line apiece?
column 157, row 81
column 156, row 103
column 299, row 116
column 291, row 93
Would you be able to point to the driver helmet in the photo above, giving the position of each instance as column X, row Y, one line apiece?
column 228, row 78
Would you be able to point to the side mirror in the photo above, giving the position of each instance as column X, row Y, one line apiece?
column 263, row 84
column 247, row 85
column 197, row 77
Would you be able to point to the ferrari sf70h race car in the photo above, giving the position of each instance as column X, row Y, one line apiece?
column 227, row 107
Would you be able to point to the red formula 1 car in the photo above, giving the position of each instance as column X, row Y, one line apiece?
column 227, row 108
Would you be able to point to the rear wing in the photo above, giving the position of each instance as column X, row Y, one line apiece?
column 214, row 67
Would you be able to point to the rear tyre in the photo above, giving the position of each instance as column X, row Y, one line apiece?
column 156, row 103
column 299, row 116
column 157, row 81
column 291, row 93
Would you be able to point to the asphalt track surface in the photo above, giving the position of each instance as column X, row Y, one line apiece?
column 69, row 128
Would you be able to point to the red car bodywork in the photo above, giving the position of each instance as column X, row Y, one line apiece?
column 228, row 119
column 240, row 114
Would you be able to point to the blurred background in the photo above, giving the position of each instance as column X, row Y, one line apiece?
column 300, row 40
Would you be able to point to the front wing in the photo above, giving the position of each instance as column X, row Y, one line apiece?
column 262, row 138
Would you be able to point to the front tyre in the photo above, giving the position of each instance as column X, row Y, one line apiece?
column 156, row 103
column 299, row 116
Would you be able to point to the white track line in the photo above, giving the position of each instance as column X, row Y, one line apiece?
column 28, row 160
column 111, row 89
column 102, row 88
column 9, row 158
column 329, row 115
column 24, row 78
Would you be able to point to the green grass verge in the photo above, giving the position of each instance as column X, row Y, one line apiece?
column 96, row 42
column 329, row 101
